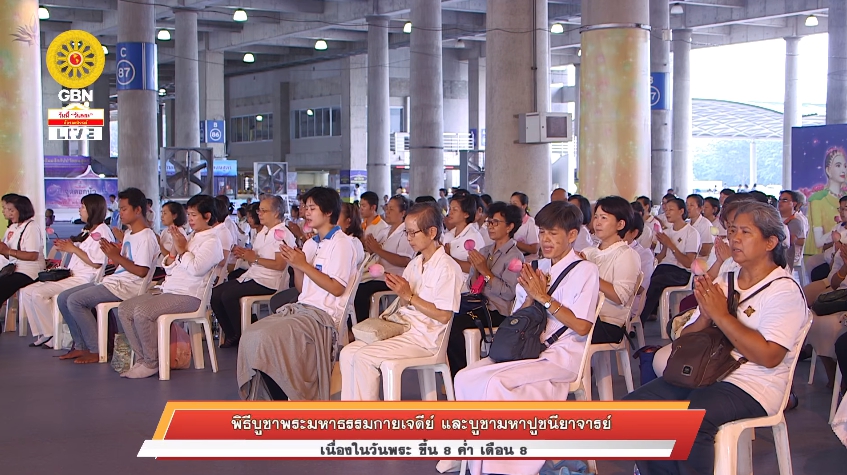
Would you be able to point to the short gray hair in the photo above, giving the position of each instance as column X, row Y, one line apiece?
column 277, row 205
column 766, row 218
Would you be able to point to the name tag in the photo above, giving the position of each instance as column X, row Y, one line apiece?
column 320, row 267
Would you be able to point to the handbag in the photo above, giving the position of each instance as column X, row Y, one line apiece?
column 476, row 307
column 180, row 347
column 519, row 336
column 10, row 268
column 702, row 358
column 54, row 275
column 831, row 302
column 388, row 325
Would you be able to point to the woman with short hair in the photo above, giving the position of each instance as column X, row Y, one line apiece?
column 23, row 246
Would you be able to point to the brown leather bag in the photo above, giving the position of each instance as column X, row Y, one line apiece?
column 702, row 358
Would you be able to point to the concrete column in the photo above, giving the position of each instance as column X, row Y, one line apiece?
column 574, row 164
column 660, row 120
column 50, row 99
column 137, row 109
column 21, row 156
column 379, row 111
column 614, row 140
column 792, row 116
column 187, row 85
column 836, row 84
column 512, row 166
column 100, row 150
column 354, row 111
column 476, row 98
column 211, row 94
column 426, row 139
column 682, row 168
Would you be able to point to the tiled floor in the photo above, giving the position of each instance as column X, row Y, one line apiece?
column 59, row 417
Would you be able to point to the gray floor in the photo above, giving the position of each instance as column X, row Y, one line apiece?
column 60, row 417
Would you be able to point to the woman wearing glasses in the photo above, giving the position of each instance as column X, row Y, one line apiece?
column 429, row 296
column 267, row 272
column 490, row 273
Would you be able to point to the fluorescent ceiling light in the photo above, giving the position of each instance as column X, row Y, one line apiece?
column 239, row 15
column 321, row 45
column 259, row 118
column 407, row 28
column 557, row 29
column 105, row 49
column 249, row 58
column 164, row 35
column 163, row 92
column 676, row 9
column 811, row 21
column 43, row 13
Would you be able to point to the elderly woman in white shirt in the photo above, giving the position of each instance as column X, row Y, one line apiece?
column 429, row 296
column 573, row 306
column 765, row 329
column 85, row 263
column 182, row 290
column 267, row 273
column 22, row 246
column 458, row 221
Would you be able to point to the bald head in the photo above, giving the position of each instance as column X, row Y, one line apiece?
column 559, row 194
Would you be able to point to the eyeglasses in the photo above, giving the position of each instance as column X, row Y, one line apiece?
column 412, row 234
column 494, row 222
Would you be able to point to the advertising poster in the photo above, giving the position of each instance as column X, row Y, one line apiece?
column 819, row 171
column 58, row 166
column 63, row 195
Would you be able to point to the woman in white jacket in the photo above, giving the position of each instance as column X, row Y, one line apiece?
column 181, row 291
column 85, row 263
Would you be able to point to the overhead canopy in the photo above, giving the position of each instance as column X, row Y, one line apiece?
column 734, row 120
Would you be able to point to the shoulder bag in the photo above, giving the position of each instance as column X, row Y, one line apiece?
column 519, row 336
column 10, row 268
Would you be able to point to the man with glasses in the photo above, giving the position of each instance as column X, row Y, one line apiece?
column 796, row 236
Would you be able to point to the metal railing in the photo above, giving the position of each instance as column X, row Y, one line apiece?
column 453, row 142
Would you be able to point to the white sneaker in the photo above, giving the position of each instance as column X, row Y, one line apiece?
column 141, row 372
column 137, row 364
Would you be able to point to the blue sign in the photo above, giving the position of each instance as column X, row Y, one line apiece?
column 212, row 131
column 223, row 168
column 659, row 91
column 136, row 66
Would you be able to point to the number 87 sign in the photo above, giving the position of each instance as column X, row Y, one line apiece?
column 136, row 66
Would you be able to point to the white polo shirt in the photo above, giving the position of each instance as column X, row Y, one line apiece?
column 578, row 292
column 648, row 236
column 225, row 236
column 396, row 243
column 778, row 313
column 528, row 232
column 438, row 281
column 619, row 265
column 583, row 240
column 187, row 274
column 92, row 249
column 168, row 240
column 704, row 229
column 335, row 256
column 687, row 240
column 377, row 228
column 31, row 241
column 141, row 248
column 457, row 243
column 646, row 257
column 266, row 246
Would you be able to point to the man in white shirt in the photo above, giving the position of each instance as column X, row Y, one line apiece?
column 133, row 259
column 372, row 224
column 647, row 237
column 646, row 256
column 294, row 349
column 796, row 235
column 703, row 226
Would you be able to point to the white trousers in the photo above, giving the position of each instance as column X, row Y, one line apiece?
column 360, row 364
column 37, row 302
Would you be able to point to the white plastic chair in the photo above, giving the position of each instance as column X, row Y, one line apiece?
column 580, row 387
column 836, row 390
column 58, row 320
column 634, row 322
column 814, row 359
column 427, row 366
column 104, row 308
column 665, row 305
column 733, row 442
column 379, row 302
column 200, row 318
column 349, row 297
column 248, row 304
column 12, row 315
column 603, row 365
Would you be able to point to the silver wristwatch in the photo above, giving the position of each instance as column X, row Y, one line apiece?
column 548, row 304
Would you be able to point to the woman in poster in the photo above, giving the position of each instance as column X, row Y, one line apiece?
column 823, row 205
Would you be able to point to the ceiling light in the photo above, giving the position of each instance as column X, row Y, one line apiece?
column 310, row 112
column 557, row 29
column 811, row 21
column 460, row 44
column 407, row 28
column 249, row 58
column 164, row 35
column 239, row 15
column 43, row 13
column 579, row 52
column 163, row 92
column 259, row 118
column 105, row 49
column 676, row 9
column 321, row 45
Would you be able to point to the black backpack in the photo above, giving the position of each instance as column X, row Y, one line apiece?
column 519, row 336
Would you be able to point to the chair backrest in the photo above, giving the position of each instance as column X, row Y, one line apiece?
column 797, row 347
column 148, row 279
column 66, row 259
column 628, row 304
column 100, row 274
column 349, row 295
column 600, row 300
column 207, row 292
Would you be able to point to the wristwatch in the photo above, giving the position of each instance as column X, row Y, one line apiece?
column 487, row 278
column 548, row 303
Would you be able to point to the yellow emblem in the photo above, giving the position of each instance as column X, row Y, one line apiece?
column 750, row 311
column 75, row 59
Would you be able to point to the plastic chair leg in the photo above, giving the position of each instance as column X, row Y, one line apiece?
column 623, row 359
column 11, row 315
column 448, row 381
column 744, row 465
column 726, row 451
column 664, row 311
column 835, row 390
column 102, row 335
column 426, row 380
column 21, row 317
column 57, row 327
column 812, row 366
column 164, row 351
column 603, row 375
column 783, row 449
column 196, row 334
column 391, row 384
column 213, row 358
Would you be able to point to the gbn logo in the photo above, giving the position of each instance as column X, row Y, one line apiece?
column 76, row 95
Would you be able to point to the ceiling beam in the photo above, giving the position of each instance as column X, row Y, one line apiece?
column 700, row 16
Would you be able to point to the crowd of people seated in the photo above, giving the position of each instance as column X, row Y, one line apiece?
column 433, row 255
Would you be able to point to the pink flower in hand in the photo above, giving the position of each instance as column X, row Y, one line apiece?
column 95, row 236
column 470, row 245
column 699, row 266
column 376, row 271
column 515, row 265
column 279, row 234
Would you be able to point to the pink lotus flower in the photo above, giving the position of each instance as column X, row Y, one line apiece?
column 95, row 236
column 376, row 271
column 700, row 266
column 515, row 265
column 279, row 234
column 470, row 245
column 50, row 231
